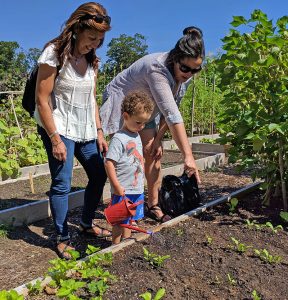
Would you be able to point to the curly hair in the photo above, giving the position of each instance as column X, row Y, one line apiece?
column 137, row 102
column 80, row 19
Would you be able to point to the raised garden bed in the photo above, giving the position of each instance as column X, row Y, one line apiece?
column 201, row 257
column 27, row 250
column 205, row 262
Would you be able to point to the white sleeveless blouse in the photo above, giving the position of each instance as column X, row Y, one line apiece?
column 72, row 100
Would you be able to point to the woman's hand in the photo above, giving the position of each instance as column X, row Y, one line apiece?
column 191, row 168
column 103, row 146
column 59, row 150
column 156, row 149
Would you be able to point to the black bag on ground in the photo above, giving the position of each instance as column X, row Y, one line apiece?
column 179, row 195
column 28, row 100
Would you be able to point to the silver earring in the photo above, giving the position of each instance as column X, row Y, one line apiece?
column 74, row 36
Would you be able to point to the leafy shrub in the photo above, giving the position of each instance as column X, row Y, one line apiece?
column 254, row 83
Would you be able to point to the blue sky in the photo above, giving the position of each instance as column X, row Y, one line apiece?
column 33, row 23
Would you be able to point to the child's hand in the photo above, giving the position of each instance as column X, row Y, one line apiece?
column 120, row 191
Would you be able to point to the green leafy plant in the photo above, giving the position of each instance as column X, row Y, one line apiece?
column 69, row 287
column 18, row 151
column 10, row 295
column 250, row 224
column 264, row 255
column 253, row 224
column 284, row 216
column 255, row 295
column 257, row 226
column 273, row 228
column 159, row 295
column 91, row 249
column 208, row 141
column 239, row 247
column 34, row 289
column 98, row 287
column 232, row 203
column 4, row 229
column 89, row 276
column 253, row 68
column 231, row 280
column 209, row 240
column 154, row 259
column 180, row 232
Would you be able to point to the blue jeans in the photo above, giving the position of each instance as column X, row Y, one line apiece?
column 87, row 153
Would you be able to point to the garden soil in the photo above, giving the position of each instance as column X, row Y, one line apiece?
column 196, row 269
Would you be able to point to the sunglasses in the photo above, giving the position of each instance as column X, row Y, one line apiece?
column 97, row 18
column 186, row 69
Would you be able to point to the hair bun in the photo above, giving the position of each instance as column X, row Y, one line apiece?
column 193, row 30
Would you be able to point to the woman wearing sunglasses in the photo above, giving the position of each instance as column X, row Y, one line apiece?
column 68, row 118
column 165, row 77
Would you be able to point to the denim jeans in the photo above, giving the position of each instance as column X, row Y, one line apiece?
column 87, row 153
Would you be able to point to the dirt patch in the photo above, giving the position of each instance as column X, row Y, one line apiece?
column 198, row 269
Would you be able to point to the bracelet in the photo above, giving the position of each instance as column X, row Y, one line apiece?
column 52, row 134
column 100, row 129
column 55, row 145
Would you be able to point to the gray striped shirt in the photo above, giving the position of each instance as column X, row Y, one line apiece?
column 150, row 75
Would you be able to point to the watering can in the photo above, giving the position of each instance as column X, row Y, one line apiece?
column 116, row 213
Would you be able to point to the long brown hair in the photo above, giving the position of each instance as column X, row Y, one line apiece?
column 78, row 22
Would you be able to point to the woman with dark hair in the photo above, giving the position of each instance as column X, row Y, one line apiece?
column 68, row 118
column 164, row 77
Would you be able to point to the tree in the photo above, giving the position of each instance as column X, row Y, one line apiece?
column 254, row 79
column 13, row 66
column 123, row 51
column 32, row 57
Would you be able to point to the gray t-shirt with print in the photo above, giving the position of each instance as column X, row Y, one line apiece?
column 126, row 150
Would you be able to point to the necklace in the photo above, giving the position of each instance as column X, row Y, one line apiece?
column 77, row 59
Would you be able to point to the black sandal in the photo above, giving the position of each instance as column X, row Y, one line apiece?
column 64, row 254
column 151, row 213
column 90, row 232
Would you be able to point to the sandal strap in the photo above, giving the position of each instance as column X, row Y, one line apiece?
column 65, row 248
column 84, row 228
column 163, row 217
column 90, row 231
column 67, row 244
column 154, row 207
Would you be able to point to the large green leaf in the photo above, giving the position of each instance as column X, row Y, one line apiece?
column 238, row 20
